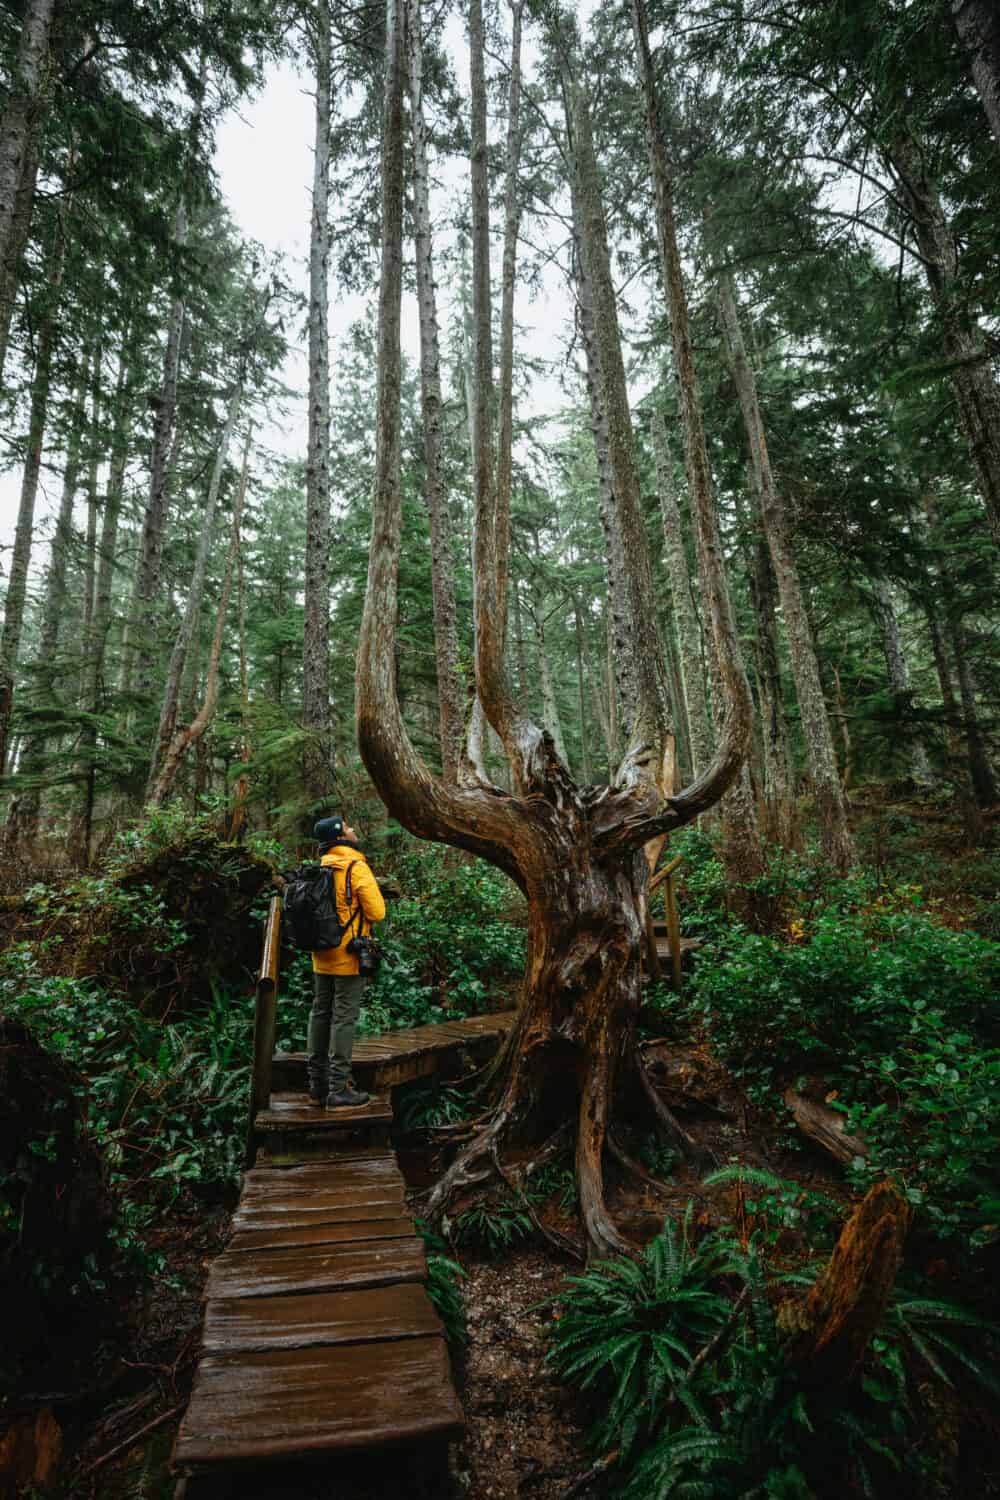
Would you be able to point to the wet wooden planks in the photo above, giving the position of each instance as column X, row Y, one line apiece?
column 398, row 1056
column 319, row 1335
column 278, row 1402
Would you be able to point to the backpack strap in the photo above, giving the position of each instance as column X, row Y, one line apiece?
column 349, row 899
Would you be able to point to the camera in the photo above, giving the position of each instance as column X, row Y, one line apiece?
column 368, row 954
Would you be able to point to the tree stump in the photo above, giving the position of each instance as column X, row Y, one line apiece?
column 834, row 1325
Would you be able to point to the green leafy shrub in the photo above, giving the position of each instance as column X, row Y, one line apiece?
column 443, row 1276
column 491, row 1226
column 629, row 1331
column 898, row 1015
column 424, row 1105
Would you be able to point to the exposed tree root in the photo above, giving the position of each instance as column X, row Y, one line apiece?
column 637, row 1170
column 669, row 1126
column 560, row 1242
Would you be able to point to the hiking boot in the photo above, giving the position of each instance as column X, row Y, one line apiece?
column 347, row 1098
column 317, row 1094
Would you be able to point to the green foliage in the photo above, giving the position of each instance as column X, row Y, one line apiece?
column 443, row 1276
column 697, row 1393
column 424, row 1105
column 898, row 1015
column 629, row 1331
column 166, row 1102
column 449, row 937
column 553, row 1181
column 775, row 1205
column 491, row 1226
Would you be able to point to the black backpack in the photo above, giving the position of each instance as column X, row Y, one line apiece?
column 310, row 908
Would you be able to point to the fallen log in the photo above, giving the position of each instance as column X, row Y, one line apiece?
column 831, row 1329
column 825, row 1126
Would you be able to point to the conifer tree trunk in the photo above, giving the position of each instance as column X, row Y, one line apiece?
column 93, row 504
column 17, row 579
column 978, row 25
column 94, row 668
column 22, row 818
column 194, row 732
column 575, row 852
column 17, row 242
column 821, row 759
column 898, row 672
column 140, row 628
column 551, row 719
column 581, row 679
column 316, row 709
column 980, row 770
column 241, row 791
column 689, row 636
column 779, row 768
column 192, row 608
column 976, row 389
column 21, row 115
column 450, row 690
column 649, row 722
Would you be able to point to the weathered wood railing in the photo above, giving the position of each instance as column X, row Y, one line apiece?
column 265, row 1022
column 665, row 877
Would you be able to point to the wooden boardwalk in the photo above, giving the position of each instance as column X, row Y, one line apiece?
column 319, row 1337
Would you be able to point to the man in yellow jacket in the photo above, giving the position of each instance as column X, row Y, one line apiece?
column 339, row 987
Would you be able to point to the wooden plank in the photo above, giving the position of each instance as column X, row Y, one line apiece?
column 307, row 1153
column 315, row 1268
column 379, row 1221
column 303, row 1321
column 301, row 1401
column 296, row 1111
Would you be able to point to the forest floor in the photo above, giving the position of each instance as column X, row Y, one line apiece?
column 526, row 1435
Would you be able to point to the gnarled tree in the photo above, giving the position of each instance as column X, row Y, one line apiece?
column 576, row 852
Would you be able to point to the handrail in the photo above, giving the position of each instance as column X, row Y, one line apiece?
column 265, row 1023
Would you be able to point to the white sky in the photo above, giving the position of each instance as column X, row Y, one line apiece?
column 264, row 164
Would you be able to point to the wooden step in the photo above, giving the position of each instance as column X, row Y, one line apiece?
column 304, row 1320
column 316, row 1268
column 382, row 1062
column 376, row 1221
column 297, row 1112
column 334, row 1398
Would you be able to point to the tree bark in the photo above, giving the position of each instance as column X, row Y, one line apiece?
column 193, row 733
column 649, row 727
column 318, row 758
column 980, row 770
column 22, row 819
column 450, row 688
column 581, row 678
column 975, row 387
column 192, row 608
column 94, row 671
column 689, row 636
column 835, row 1324
column 21, row 118
column 831, row 806
column 978, row 26
column 551, row 719
column 575, row 853
column 17, row 243
column 779, row 767
column 93, row 506
column 17, row 580
column 137, row 655
column 898, row 675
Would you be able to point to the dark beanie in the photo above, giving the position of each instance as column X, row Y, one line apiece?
column 328, row 830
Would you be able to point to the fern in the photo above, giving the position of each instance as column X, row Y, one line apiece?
column 629, row 1331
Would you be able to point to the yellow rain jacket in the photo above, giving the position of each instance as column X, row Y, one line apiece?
column 367, row 907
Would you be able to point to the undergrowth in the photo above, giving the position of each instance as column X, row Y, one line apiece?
column 683, row 1363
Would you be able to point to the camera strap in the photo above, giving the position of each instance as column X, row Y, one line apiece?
column 349, row 901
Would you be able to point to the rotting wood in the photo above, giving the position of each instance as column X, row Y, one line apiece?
column 825, row 1126
column 832, row 1328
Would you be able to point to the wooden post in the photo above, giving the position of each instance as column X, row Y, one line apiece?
column 673, row 928
column 265, row 1019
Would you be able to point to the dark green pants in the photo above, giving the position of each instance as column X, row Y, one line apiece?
column 334, row 1015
